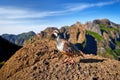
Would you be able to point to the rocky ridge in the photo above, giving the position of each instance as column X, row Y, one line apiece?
column 40, row 60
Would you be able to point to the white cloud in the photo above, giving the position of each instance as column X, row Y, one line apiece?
column 20, row 21
column 14, row 13
column 79, row 7
column 4, row 22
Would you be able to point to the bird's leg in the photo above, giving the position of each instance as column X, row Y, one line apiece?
column 66, row 60
column 72, row 60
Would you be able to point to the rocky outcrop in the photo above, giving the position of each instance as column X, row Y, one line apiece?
column 82, row 33
column 77, row 33
column 109, row 33
column 41, row 60
column 91, row 26
column 47, row 32
column 74, row 32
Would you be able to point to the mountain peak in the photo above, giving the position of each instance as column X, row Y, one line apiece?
column 102, row 21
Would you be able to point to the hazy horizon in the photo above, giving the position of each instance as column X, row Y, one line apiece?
column 18, row 16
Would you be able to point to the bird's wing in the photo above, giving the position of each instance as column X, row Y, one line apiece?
column 70, row 49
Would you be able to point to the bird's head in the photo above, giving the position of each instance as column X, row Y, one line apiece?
column 56, row 33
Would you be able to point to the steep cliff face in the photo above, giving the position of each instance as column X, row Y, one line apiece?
column 111, row 38
column 41, row 60
column 73, row 32
column 91, row 26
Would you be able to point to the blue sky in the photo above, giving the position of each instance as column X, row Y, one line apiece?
column 17, row 16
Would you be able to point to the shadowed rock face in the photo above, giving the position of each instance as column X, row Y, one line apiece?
column 40, row 60
column 91, row 45
column 7, row 49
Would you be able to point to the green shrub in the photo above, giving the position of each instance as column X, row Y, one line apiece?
column 117, row 51
column 95, row 35
column 105, row 28
column 111, row 52
column 117, row 43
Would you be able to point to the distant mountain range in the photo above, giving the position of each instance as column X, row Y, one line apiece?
column 18, row 39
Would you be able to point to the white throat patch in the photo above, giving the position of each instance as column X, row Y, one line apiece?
column 60, row 46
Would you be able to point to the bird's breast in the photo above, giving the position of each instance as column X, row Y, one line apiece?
column 60, row 46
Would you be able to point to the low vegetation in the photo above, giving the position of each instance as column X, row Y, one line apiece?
column 118, row 43
column 105, row 28
column 95, row 35
column 117, row 51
